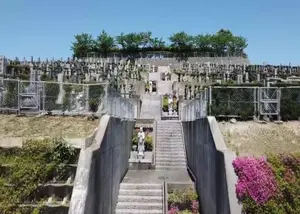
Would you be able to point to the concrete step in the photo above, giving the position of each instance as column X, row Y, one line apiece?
column 168, row 153
column 143, row 192
column 140, row 186
column 159, row 167
column 132, row 211
column 137, row 199
column 169, row 138
column 163, row 134
column 140, row 205
column 177, row 160
column 170, row 156
column 167, row 128
column 179, row 164
column 170, row 149
column 171, row 146
column 171, row 143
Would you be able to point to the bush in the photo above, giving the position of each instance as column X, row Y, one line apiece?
column 165, row 103
column 269, row 186
column 34, row 164
column 183, row 201
column 95, row 94
column 148, row 141
column 51, row 96
column 11, row 96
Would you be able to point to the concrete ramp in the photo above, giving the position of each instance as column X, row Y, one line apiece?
column 151, row 107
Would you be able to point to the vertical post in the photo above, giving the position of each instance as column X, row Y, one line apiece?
column 87, row 100
column 19, row 92
column 209, row 99
column 44, row 97
column 254, row 101
column 278, row 103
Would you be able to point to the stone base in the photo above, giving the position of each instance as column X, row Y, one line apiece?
column 140, row 164
column 170, row 117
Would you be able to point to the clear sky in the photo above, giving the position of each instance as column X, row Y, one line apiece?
column 46, row 28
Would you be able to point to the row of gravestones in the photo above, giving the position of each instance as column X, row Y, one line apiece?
column 219, row 68
column 101, row 66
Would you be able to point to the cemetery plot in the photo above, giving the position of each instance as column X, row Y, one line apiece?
column 48, row 126
column 251, row 138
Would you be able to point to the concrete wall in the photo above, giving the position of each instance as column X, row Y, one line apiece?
column 210, row 162
column 101, row 167
column 136, row 103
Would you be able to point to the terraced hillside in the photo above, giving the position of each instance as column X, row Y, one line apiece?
column 37, row 178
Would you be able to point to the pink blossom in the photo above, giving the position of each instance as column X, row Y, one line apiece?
column 255, row 179
column 173, row 209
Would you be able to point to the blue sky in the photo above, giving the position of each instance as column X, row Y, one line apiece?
column 47, row 28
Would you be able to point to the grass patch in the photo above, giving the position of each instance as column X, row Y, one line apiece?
column 66, row 127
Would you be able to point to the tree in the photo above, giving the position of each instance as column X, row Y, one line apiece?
column 105, row 44
column 181, row 42
column 135, row 44
column 83, row 45
column 157, row 44
column 224, row 42
column 203, row 43
column 130, row 42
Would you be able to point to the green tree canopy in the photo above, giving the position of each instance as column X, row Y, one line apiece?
column 221, row 43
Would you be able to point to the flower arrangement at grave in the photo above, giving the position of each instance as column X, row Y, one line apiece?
column 269, row 185
column 183, row 201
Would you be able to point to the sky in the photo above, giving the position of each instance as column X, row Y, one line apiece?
column 46, row 29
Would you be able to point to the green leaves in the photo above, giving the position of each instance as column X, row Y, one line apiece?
column 221, row 43
column 37, row 163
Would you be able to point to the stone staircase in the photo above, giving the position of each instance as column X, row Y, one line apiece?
column 140, row 198
column 170, row 149
column 151, row 107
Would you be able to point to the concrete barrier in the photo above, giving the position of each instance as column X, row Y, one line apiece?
column 210, row 163
column 101, row 167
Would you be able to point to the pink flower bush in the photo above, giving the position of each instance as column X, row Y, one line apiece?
column 255, row 179
column 195, row 206
column 173, row 209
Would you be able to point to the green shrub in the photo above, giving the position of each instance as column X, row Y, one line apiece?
column 51, row 96
column 183, row 201
column 165, row 103
column 66, row 100
column 148, row 141
column 95, row 94
column 11, row 96
column 34, row 164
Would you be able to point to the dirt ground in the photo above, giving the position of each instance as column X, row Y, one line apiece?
column 68, row 127
column 250, row 138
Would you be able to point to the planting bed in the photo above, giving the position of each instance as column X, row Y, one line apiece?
column 37, row 178
column 182, row 199
column 47, row 126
